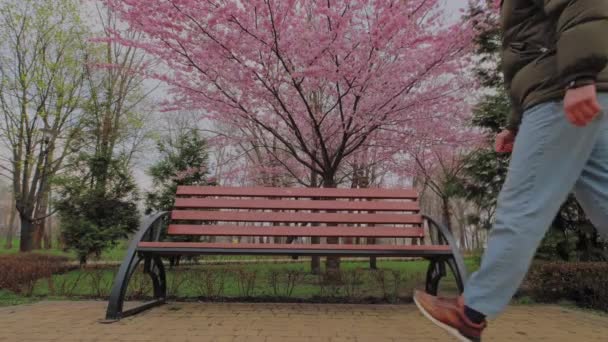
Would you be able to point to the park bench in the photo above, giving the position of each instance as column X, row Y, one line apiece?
column 391, row 217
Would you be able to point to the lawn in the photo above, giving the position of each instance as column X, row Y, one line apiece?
column 15, row 249
column 8, row 298
column 117, row 253
column 113, row 254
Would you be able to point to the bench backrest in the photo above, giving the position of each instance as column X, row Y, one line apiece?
column 296, row 212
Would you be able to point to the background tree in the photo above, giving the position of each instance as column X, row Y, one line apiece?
column 117, row 108
column 437, row 176
column 9, row 214
column 40, row 97
column 98, row 182
column 95, row 218
column 182, row 160
column 485, row 170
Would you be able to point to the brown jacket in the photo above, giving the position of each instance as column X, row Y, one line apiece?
column 547, row 44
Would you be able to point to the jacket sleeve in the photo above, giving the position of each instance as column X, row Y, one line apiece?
column 515, row 115
column 514, row 120
column 582, row 27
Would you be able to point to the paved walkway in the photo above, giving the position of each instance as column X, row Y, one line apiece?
column 77, row 321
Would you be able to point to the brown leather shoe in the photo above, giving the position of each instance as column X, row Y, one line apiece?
column 449, row 315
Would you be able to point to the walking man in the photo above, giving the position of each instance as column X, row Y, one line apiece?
column 555, row 54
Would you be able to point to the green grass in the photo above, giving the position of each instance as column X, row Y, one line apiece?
column 8, row 298
column 15, row 249
column 117, row 253
column 113, row 254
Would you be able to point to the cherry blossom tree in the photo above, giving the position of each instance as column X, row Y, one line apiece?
column 317, row 79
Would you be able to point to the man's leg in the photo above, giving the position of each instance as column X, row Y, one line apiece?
column 548, row 158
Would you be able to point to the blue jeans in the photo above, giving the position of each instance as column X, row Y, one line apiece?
column 551, row 158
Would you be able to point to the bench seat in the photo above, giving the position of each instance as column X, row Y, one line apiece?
column 171, row 248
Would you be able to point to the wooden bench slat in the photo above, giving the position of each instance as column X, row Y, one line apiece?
column 329, row 218
column 339, row 231
column 192, row 202
column 369, row 193
column 289, row 248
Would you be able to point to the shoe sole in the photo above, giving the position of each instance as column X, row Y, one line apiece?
column 449, row 329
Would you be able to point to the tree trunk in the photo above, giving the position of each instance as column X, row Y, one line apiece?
column 37, row 233
column 315, row 261
column 353, row 185
column 27, row 230
column 332, row 264
column 463, row 238
column 83, row 260
column 40, row 222
column 47, row 236
column 48, row 233
column 459, row 214
column 10, row 233
column 373, row 265
column 445, row 207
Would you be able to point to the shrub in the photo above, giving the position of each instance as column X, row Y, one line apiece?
column 246, row 280
column 209, row 283
column 381, row 279
column 19, row 272
column 330, row 284
column 389, row 282
column 284, row 282
column 97, row 204
column 353, row 281
column 67, row 284
column 99, row 282
column 584, row 283
column 175, row 280
column 140, row 285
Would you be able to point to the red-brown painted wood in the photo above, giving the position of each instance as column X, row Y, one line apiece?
column 220, row 203
column 334, row 231
column 330, row 218
column 369, row 193
column 434, row 248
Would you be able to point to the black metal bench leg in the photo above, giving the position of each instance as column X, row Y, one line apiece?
column 437, row 270
column 457, row 272
column 455, row 262
column 434, row 273
column 153, row 267
column 119, row 289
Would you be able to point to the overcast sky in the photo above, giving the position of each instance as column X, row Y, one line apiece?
column 455, row 5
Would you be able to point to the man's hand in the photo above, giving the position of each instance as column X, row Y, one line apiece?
column 505, row 141
column 581, row 105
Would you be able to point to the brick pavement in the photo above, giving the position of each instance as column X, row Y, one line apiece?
column 78, row 321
